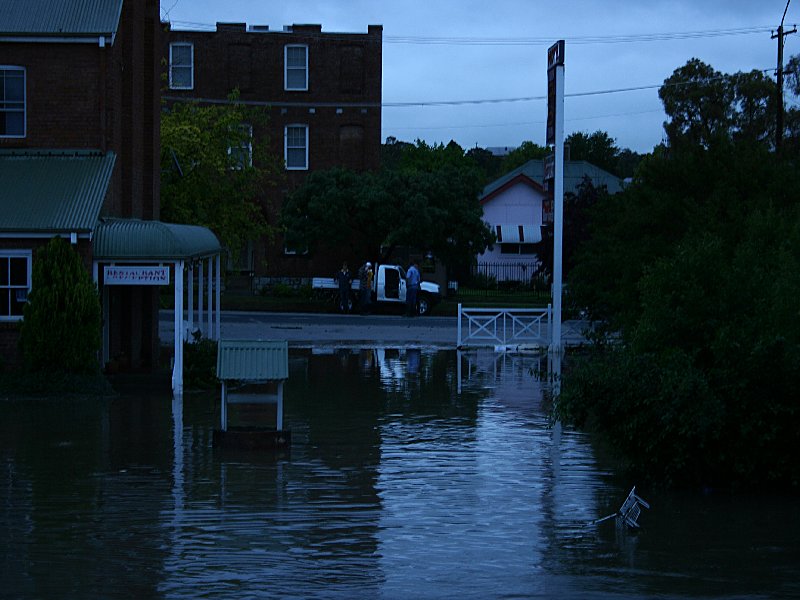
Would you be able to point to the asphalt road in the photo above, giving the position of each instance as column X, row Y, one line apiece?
column 312, row 329
column 301, row 329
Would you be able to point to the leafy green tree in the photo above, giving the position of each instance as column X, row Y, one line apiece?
column 598, row 148
column 699, row 103
column 577, row 210
column 216, row 169
column 696, row 267
column 61, row 328
column 526, row 151
column 428, row 200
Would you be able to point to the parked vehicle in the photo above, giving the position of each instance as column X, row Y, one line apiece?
column 388, row 287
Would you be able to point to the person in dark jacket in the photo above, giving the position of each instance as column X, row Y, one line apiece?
column 344, row 279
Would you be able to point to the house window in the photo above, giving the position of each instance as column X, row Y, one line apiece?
column 296, row 147
column 181, row 66
column 517, row 248
column 15, row 283
column 241, row 149
column 12, row 102
column 296, row 64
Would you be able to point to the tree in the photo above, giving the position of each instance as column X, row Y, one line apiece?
column 519, row 156
column 577, row 209
column 428, row 200
column 695, row 267
column 215, row 169
column 706, row 107
column 599, row 148
column 61, row 328
column 699, row 103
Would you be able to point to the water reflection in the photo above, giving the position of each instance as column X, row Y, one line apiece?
column 413, row 473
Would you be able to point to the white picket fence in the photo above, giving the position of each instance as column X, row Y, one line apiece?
column 504, row 328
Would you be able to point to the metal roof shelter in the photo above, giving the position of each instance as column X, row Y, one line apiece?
column 251, row 362
column 60, row 21
column 133, row 251
column 63, row 191
column 46, row 193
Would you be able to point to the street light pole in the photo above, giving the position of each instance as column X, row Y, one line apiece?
column 779, row 76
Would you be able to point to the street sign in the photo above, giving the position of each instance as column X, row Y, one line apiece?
column 135, row 275
column 555, row 58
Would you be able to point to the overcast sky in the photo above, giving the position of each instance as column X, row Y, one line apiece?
column 478, row 62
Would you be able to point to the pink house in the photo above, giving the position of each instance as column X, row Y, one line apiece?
column 514, row 206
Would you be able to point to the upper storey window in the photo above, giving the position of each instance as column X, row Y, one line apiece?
column 296, row 68
column 12, row 102
column 181, row 66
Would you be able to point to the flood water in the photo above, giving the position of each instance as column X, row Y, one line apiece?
column 408, row 477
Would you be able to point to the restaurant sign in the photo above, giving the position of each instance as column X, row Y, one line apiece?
column 136, row 275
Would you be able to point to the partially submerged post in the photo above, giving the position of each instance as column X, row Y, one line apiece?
column 252, row 372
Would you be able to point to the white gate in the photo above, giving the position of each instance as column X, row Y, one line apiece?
column 504, row 328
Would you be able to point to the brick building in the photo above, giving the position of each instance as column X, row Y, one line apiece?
column 79, row 157
column 323, row 95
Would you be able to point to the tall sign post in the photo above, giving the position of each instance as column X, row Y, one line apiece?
column 555, row 138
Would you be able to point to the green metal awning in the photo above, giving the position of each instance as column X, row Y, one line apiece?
column 252, row 360
column 135, row 240
column 52, row 191
column 61, row 18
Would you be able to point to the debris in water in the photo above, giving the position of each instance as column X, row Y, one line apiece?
column 629, row 512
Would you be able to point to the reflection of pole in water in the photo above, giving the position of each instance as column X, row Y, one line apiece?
column 554, row 373
column 178, row 498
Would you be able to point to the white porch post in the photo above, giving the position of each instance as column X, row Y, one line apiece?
column 279, row 409
column 200, row 298
column 190, row 293
column 210, row 296
column 219, row 304
column 177, row 366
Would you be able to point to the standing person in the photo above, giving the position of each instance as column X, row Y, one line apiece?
column 344, row 279
column 413, row 279
column 365, row 287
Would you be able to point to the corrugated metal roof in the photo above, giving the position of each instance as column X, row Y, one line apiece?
column 252, row 360
column 574, row 171
column 59, row 17
column 133, row 239
column 52, row 191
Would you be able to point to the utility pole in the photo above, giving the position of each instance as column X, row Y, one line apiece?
column 779, row 74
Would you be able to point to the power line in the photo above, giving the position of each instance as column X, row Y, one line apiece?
column 521, row 41
column 521, row 123
column 433, row 103
column 422, row 103
column 575, row 40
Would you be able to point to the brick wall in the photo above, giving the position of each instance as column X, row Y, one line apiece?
column 342, row 107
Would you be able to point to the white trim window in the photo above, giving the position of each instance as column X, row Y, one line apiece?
column 295, row 60
column 241, row 149
column 181, row 66
column 295, row 147
column 12, row 102
column 15, row 283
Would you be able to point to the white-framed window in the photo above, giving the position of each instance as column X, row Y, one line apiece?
column 181, row 66
column 296, row 68
column 12, row 102
column 295, row 146
column 241, row 151
column 15, row 283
